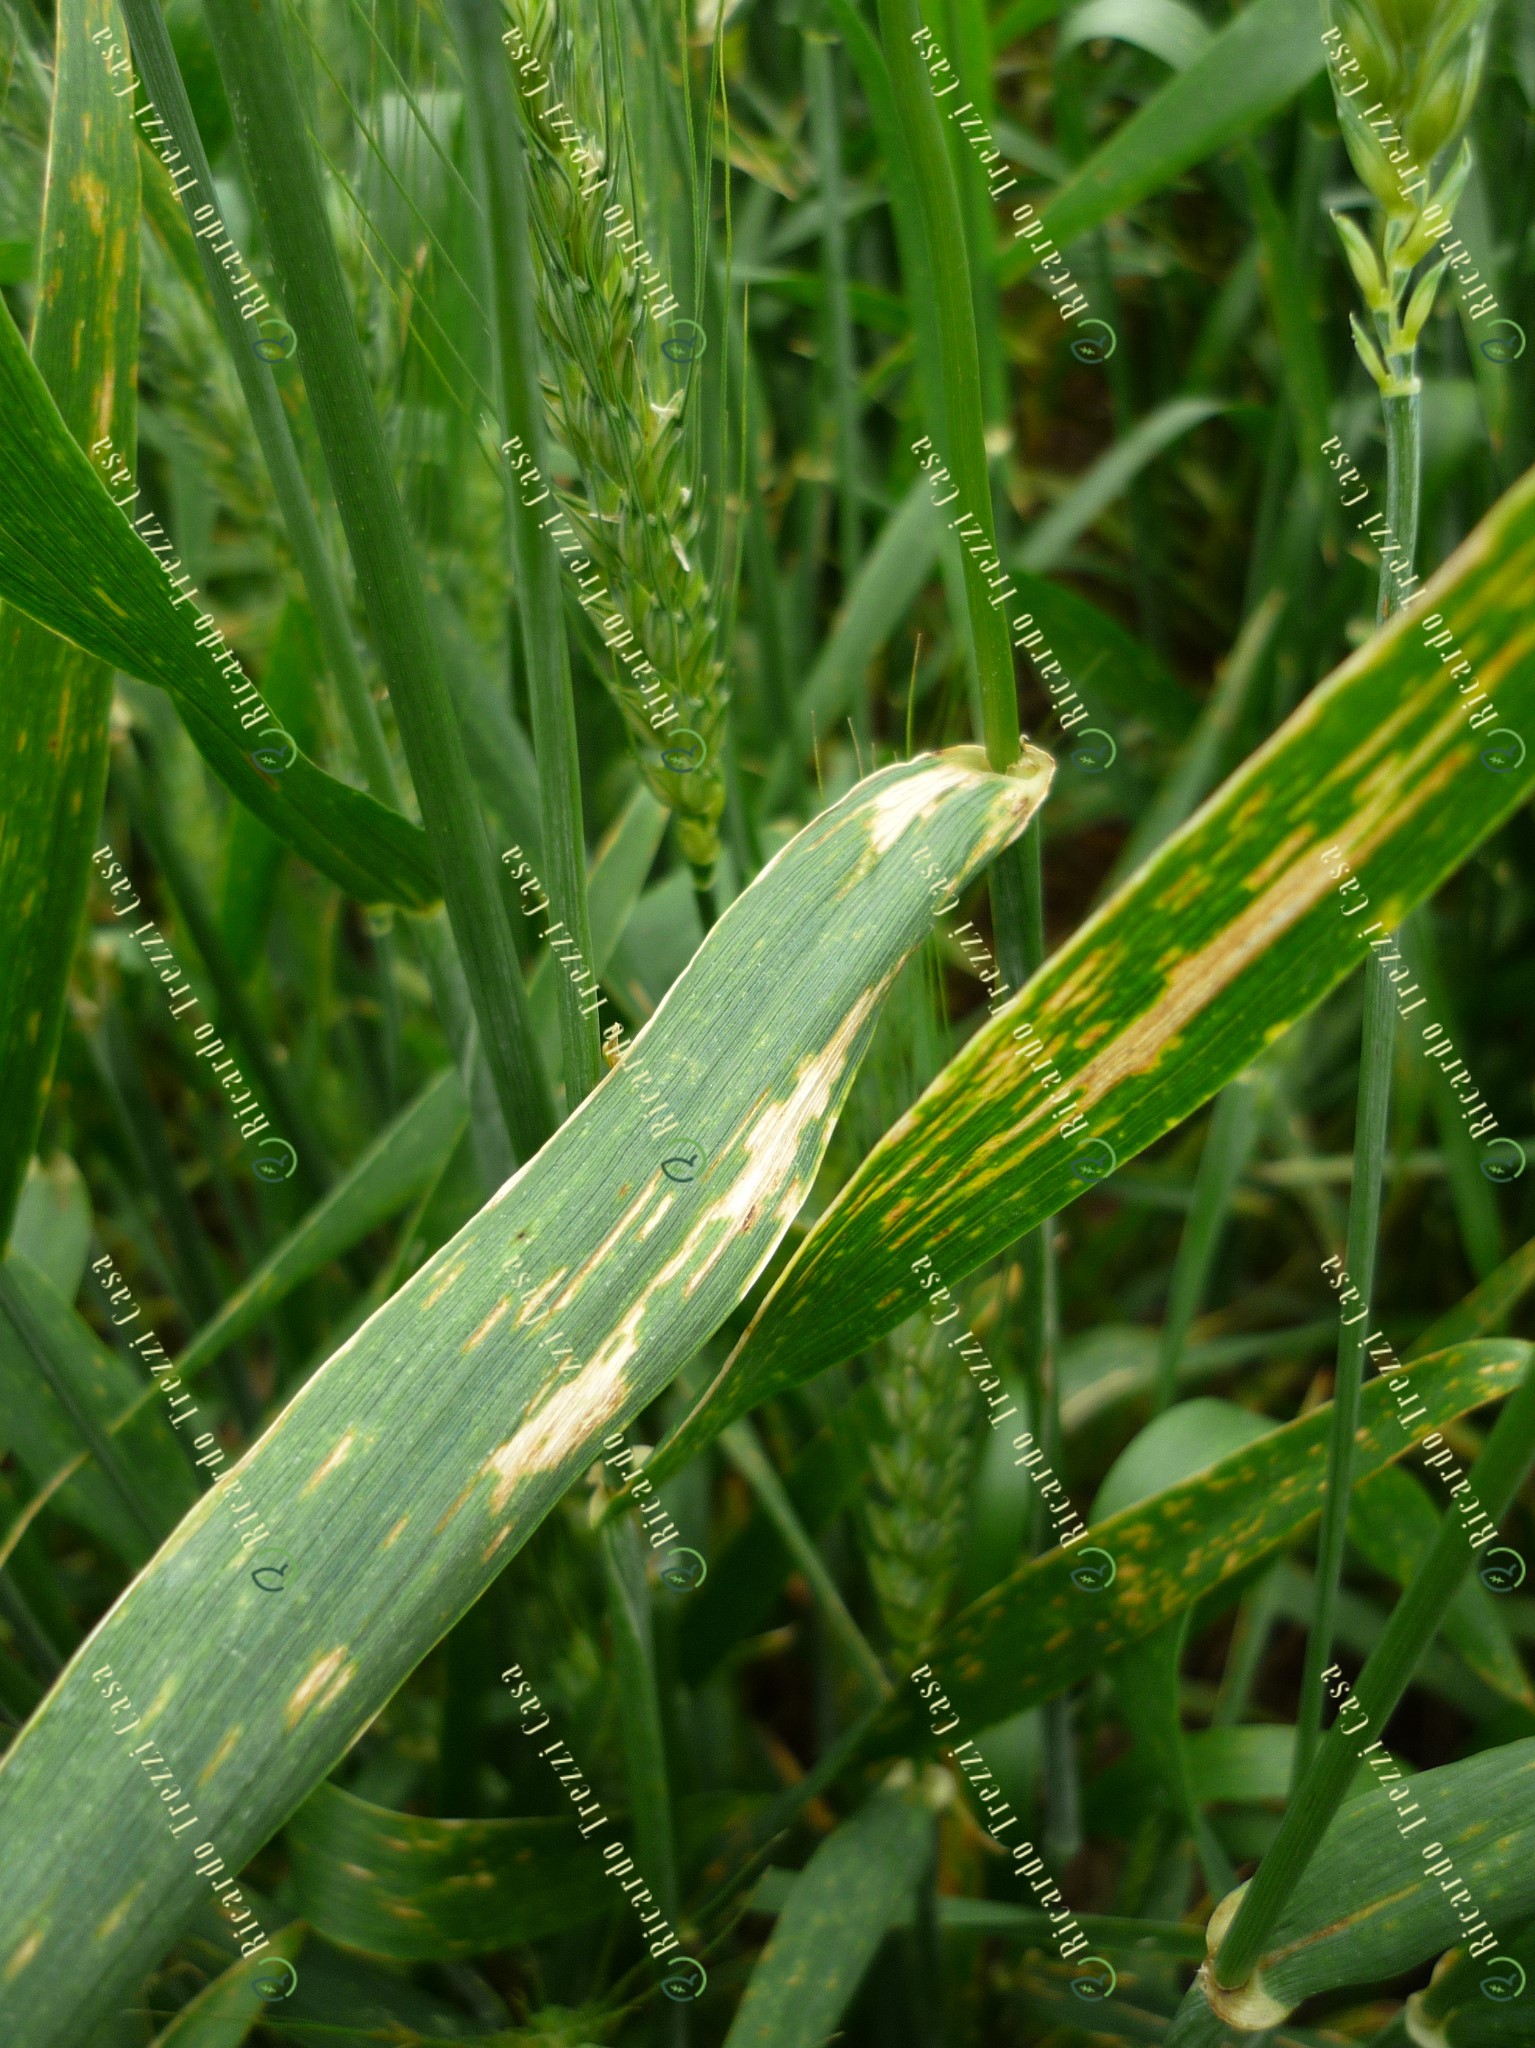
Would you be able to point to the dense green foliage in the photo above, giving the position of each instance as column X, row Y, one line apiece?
column 765, row 917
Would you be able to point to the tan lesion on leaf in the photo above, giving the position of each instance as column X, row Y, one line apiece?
column 22, row 1954
column 105, row 1929
column 324, row 1682
column 453, row 1273
column 336, row 1457
column 222, row 1754
column 628, row 1221
column 770, row 1143
column 477, row 1337
column 395, row 1533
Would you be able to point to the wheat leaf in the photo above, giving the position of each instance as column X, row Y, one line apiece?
column 55, row 698
column 1231, row 932
column 411, row 1467
column 70, row 559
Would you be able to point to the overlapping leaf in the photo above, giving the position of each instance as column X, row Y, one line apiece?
column 1368, row 1907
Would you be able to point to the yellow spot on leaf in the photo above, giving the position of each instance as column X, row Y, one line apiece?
column 105, row 1929
column 222, row 1754
column 20, row 1957
column 338, row 1456
column 326, row 1680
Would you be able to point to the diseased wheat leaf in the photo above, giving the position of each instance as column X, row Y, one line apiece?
column 856, row 1885
column 1038, row 1631
column 1204, row 956
column 406, row 1472
column 395, row 1884
column 54, row 697
column 70, row 560
column 1367, row 1907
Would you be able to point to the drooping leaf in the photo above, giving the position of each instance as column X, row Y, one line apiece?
column 1200, row 959
column 36, row 1423
column 409, row 1469
column 53, row 1222
column 70, row 560
column 1166, row 28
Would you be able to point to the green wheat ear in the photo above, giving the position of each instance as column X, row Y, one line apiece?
column 914, row 1513
column 616, row 402
column 1404, row 75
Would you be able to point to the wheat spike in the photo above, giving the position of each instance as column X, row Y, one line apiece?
column 598, row 307
column 914, row 1515
column 1404, row 75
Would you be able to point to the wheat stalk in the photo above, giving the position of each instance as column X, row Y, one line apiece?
column 600, row 301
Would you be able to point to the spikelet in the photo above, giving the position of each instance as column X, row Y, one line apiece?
column 1404, row 76
column 915, row 1510
column 603, row 308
